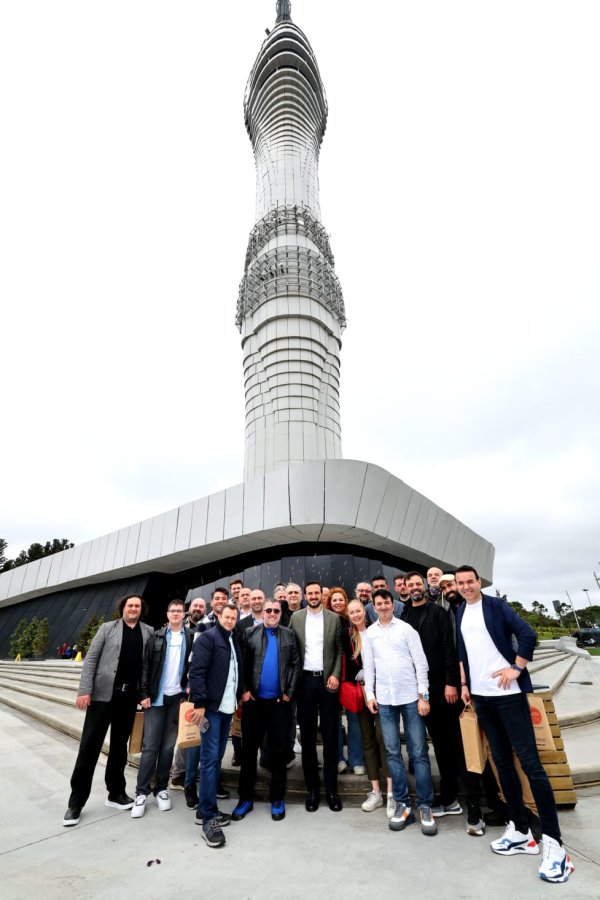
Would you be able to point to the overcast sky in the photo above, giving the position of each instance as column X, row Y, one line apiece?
column 460, row 183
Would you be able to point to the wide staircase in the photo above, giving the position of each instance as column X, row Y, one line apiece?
column 45, row 691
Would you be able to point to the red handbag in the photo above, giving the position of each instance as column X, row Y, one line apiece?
column 351, row 693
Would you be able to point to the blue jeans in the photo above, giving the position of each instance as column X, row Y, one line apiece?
column 416, row 741
column 355, row 747
column 160, row 734
column 212, row 749
column 506, row 722
column 192, row 761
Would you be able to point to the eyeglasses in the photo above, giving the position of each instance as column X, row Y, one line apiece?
column 270, row 609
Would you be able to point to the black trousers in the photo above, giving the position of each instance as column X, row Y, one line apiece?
column 444, row 730
column 315, row 700
column 119, row 713
column 260, row 719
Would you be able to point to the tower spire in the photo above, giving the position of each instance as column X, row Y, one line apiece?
column 284, row 11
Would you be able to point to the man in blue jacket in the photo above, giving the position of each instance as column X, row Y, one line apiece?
column 216, row 685
column 494, row 676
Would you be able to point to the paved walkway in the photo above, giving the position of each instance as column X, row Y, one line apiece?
column 313, row 856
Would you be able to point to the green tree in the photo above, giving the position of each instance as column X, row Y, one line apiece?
column 40, row 641
column 34, row 551
column 3, row 560
column 16, row 638
column 87, row 633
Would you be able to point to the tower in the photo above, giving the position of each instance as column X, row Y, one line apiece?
column 290, row 308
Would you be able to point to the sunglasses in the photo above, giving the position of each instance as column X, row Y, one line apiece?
column 271, row 609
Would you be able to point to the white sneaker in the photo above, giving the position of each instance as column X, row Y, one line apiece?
column 163, row 801
column 513, row 841
column 139, row 807
column 342, row 766
column 391, row 806
column 297, row 746
column 373, row 801
column 359, row 770
column 556, row 864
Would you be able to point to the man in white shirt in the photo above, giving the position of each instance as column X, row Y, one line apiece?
column 494, row 675
column 319, row 634
column 393, row 659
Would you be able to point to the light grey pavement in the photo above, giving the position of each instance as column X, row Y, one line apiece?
column 322, row 855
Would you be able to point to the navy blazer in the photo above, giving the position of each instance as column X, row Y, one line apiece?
column 209, row 668
column 502, row 622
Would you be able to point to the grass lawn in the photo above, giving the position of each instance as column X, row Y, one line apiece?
column 595, row 651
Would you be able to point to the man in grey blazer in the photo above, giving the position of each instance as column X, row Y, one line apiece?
column 108, row 692
column 319, row 634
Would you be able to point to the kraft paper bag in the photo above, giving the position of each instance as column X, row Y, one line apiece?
column 188, row 734
column 541, row 725
column 472, row 743
column 136, row 738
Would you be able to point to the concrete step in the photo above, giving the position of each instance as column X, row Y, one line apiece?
column 53, row 693
column 553, row 673
column 578, row 700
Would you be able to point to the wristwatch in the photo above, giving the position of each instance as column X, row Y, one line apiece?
column 425, row 697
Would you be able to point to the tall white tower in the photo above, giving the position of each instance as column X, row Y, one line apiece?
column 290, row 307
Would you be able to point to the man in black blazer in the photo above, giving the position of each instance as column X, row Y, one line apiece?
column 319, row 634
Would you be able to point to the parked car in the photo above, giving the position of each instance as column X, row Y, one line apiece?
column 587, row 637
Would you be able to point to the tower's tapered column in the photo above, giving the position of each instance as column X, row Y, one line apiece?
column 290, row 307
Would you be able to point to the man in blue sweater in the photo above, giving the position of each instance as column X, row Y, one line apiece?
column 494, row 677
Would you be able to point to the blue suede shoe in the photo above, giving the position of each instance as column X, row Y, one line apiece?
column 242, row 809
column 277, row 810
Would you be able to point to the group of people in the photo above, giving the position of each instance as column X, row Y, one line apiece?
column 300, row 656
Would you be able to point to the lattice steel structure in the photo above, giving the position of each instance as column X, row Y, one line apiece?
column 290, row 307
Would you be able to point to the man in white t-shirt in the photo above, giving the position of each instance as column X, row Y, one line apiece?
column 494, row 677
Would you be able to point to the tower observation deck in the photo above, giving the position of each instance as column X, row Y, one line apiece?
column 290, row 308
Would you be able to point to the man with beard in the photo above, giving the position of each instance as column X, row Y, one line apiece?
column 400, row 587
column 434, row 626
column 109, row 693
column 319, row 634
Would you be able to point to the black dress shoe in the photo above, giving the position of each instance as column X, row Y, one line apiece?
column 222, row 792
column 335, row 804
column 312, row 801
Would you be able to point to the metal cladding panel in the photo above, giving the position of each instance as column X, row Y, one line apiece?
column 440, row 532
column 169, row 532
column 157, row 527
column 70, row 565
column 373, row 494
column 307, row 493
column 402, row 503
column 133, row 538
column 388, row 506
column 450, row 548
column 96, row 562
column 234, row 511
column 277, row 499
column 343, row 489
column 428, row 526
column 91, row 562
column 43, row 572
column 184, row 527
column 5, row 584
column 414, row 505
column 55, row 573
column 111, row 551
column 121, row 551
column 420, row 533
column 82, row 568
column 19, row 577
column 31, row 575
column 254, row 502
column 199, row 521
column 143, row 546
column 215, row 521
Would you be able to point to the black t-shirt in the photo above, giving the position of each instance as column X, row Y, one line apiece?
column 129, row 668
column 414, row 616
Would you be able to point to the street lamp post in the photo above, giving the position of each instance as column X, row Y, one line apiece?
column 573, row 608
column 586, row 591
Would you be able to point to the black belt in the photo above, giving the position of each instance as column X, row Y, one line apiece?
column 314, row 674
column 123, row 688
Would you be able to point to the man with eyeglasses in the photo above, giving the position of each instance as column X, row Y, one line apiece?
column 272, row 667
column 164, row 679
